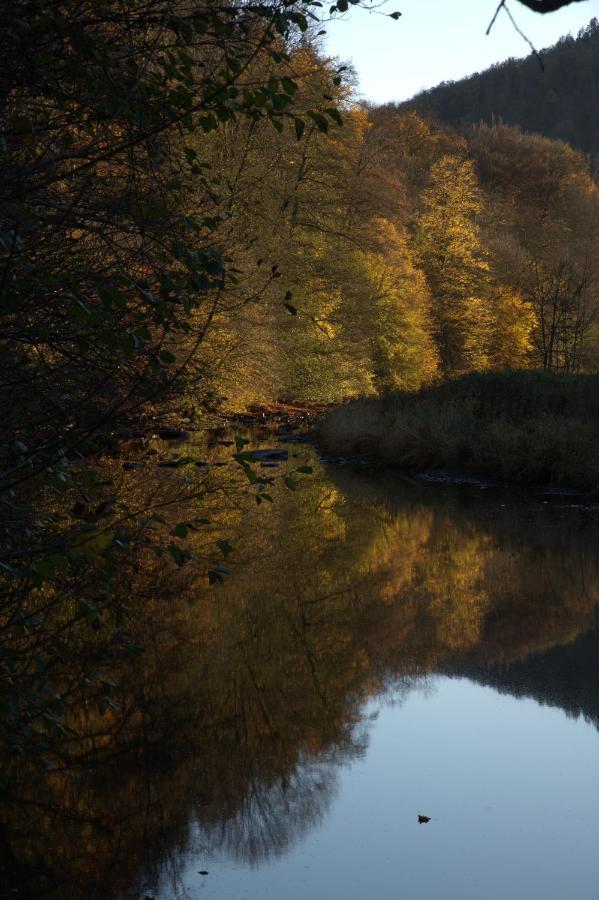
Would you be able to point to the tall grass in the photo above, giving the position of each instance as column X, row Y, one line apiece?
column 521, row 426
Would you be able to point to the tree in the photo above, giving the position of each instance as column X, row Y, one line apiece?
column 455, row 264
column 114, row 267
column 509, row 342
column 562, row 300
column 542, row 225
column 403, row 354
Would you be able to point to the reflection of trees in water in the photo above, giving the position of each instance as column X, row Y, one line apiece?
column 249, row 698
column 272, row 816
column 276, row 811
column 395, row 689
column 565, row 677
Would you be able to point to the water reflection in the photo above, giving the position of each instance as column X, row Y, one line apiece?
column 250, row 699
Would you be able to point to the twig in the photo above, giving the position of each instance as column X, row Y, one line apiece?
column 492, row 22
column 524, row 37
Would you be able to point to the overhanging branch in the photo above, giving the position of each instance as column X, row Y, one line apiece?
column 547, row 6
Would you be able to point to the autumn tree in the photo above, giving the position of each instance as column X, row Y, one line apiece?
column 542, row 225
column 402, row 351
column 455, row 264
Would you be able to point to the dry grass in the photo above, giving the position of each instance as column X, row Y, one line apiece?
column 521, row 426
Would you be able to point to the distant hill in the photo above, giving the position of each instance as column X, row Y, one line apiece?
column 560, row 102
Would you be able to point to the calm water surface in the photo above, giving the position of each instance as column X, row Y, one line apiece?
column 381, row 649
column 511, row 785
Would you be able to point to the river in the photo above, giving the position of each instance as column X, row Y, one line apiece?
column 380, row 649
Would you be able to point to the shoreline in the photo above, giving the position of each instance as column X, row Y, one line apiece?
column 516, row 428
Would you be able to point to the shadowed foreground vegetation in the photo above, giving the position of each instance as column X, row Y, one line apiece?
column 523, row 426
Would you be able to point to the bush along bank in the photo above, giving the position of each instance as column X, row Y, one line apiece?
column 520, row 426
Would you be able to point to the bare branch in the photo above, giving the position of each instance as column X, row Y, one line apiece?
column 492, row 22
column 527, row 39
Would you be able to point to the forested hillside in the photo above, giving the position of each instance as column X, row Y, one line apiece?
column 559, row 100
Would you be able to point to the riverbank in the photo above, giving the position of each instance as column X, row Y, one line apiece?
column 180, row 422
column 519, row 426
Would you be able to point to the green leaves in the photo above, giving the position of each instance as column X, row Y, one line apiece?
column 342, row 6
column 291, row 483
column 335, row 115
column 289, row 85
column 320, row 117
column 319, row 120
column 300, row 20
column 179, row 554
column 49, row 566
column 94, row 544
column 217, row 574
column 262, row 495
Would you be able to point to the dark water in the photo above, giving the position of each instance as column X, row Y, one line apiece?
column 380, row 649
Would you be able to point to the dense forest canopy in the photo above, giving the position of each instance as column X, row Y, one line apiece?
column 198, row 214
column 559, row 99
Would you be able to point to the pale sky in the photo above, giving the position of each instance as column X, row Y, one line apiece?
column 440, row 40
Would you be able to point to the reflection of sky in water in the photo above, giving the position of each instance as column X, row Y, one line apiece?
column 511, row 786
